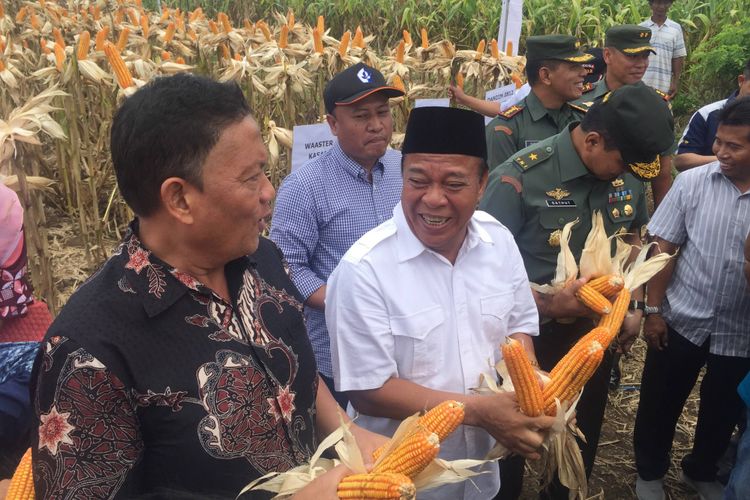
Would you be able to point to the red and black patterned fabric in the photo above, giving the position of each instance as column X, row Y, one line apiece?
column 148, row 381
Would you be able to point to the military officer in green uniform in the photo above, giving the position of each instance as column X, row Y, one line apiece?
column 626, row 51
column 555, row 71
column 592, row 165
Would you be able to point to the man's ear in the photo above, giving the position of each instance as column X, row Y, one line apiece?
column 332, row 123
column 544, row 75
column 178, row 197
column 592, row 140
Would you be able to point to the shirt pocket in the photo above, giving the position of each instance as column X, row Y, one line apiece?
column 495, row 310
column 419, row 342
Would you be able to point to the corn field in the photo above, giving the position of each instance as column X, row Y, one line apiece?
column 65, row 68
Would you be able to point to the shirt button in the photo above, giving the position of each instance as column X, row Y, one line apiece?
column 549, row 149
column 560, row 220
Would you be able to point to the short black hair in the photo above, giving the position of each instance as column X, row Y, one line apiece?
column 166, row 129
column 593, row 121
column 533, row 67
column 736, row 113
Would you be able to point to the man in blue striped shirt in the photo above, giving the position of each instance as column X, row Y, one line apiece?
column 698, row 312
column 328, row 204
column 665, row 66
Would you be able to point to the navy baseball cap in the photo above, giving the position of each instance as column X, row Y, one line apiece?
column 354, row 84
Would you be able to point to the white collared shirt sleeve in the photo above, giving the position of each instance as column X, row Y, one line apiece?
column 362, row 346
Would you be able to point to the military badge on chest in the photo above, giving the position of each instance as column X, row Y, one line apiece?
column 618, row 195
column 558, row 196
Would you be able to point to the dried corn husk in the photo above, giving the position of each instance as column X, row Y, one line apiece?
column 596, row 255
column 644, row 268
column 438, row 473
column 567, row 269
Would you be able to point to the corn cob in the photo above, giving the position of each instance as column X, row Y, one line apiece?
column 195, row 15
column 34, row 20
column 224, row 51
column 494, row 50
column 460, row 80
column 413, row 454
column 225, row 24
column 165, row 55
column 480, row 50
column 22, row 484
column 179, row 22
column 400, row 52
column 144, row 26
column 122, row 41
column 601, row 334
column 180, row 60
column 96, row 13
column 407, row 37
column 101, row 38
column 614, row 320
column 321, row 25
column 2, row 10
column 317, row 41
column 264, row 29
column 250, row 27
column 386, row 485
column 290, row 19
column 284, row 37
column 213, row 27
column 165, row 15
column 132, row 17
column 118, row 16
column 608, row 285
column 398, row 83
column 59, row 57
column 528, row 391
column 359, row 39
column 169, row 33
column 58, row 36
column 21, row 14
column 509, row 48
column 2, row 65
column 571, row 378
column 344, row 43
column 594, row 300
column 124, row 78
column 84, row 42
column 425, row 40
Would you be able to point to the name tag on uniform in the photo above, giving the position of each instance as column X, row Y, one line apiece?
column 561, row 203
column 529, row 143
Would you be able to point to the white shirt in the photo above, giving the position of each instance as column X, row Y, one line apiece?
column 395, row 308
column 669, row 44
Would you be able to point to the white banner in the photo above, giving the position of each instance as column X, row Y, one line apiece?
column 510, row 25
column 310, row 141
column 499, row 94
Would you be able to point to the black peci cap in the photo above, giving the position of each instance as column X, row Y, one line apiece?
column 445, row 131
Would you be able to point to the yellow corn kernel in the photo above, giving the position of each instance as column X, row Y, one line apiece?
column 359, row 39
column 399, row 83
column 58, row 37
column 594, row 300
column 225, row 24
column 264, row 29
column 164, row 15
column 460, row 80
column 601, row 334
column 169, row 33
column 608, row 285
column 213, row 27
column 290, row 19
column 34, row 20
column 2, row 65
column 386, row 485
column 22, row 484
column 480, row 50
column 284, row 37
column 122, row 41
column 165, row 55
column 224, row 51
column 59, row 57
column 413, row 454
column 400, row 52
column 132, row 17
column 407, row 38
column 84, row 43
column 528, row 391
column 122, row 73
column 571, row 378
column 101, row 38
column 344, row 43
column 144, row 26
column 21, row 14
column 614, row 320
column 317, row 41
column 494, row 50
column 321, row 25
column 425, row 40
column 180, row 60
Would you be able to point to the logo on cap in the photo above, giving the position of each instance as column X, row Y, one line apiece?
column 364, row 75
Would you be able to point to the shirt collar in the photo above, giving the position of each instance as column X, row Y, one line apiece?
column 352, row 167
column 408, row 245
column 568, row 155
column 157, row 284
column 537, row 109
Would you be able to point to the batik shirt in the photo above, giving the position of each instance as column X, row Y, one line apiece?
column 149, row 381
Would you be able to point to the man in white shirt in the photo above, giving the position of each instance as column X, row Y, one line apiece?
column 418, row 307
column 665, row 66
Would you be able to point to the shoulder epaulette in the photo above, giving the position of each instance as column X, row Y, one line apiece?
column 510, row 112
column 588, row 87
column 582, row 107
column 532, row 157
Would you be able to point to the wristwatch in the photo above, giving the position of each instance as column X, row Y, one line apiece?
column 636, row 305
column 652, row 310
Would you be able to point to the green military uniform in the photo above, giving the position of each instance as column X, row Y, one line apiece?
column 529, row 122
column 545, row 186
column 525, row 124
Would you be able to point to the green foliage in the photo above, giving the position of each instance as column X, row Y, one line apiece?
column 713, row 67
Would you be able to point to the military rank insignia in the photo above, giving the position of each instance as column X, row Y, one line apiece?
column 511, row 111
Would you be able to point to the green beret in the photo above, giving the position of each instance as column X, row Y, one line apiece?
column 640, row 122
column 559, row 47
column 629, row 38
